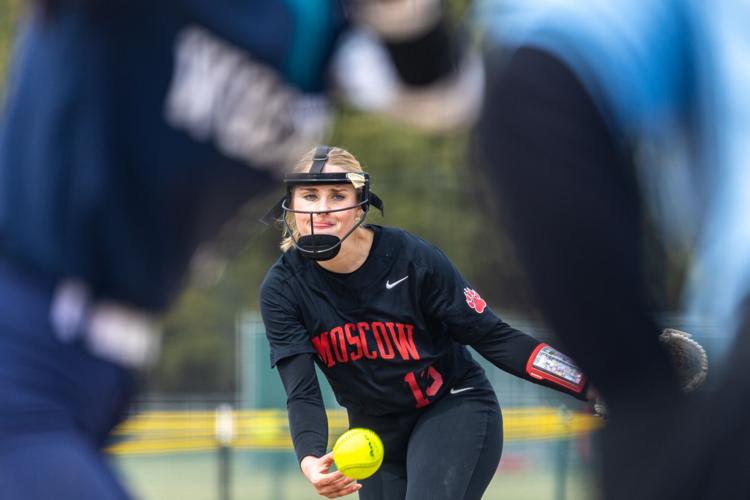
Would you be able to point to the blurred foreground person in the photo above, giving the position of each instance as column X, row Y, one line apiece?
column 132, row 131
column 582, row 91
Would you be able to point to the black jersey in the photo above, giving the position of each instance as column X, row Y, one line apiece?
column 391, row 336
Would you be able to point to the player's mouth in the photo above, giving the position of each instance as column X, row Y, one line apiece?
column 323, row 226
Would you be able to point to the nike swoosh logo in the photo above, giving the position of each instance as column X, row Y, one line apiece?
column 390, row 285
column 463, row 389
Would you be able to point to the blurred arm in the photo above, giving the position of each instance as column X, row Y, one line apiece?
column 410, row 63
column 570, row 198
column 420, row 41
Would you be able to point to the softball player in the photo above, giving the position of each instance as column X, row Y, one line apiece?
column 133, row 130
column 387, row 318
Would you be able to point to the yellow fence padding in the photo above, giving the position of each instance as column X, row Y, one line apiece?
column 156, row 432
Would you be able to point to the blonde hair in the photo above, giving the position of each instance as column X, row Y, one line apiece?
column 338, row 157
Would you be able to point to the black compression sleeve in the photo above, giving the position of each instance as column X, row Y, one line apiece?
column 507, row 348
column 308, row 423
column 510, row 349
column 429, row 57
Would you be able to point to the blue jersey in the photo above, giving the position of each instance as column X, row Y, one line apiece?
column 133, row 130
column 671, row 76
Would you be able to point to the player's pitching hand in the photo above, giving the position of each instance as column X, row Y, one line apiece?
column 329, row 485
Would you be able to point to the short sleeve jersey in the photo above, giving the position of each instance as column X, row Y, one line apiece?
column 389, row 337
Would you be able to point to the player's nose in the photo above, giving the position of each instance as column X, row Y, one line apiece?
column 322, row 207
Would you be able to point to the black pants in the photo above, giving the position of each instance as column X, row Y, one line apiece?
column 448, row 451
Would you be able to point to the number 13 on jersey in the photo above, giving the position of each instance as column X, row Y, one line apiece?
column 431, row 376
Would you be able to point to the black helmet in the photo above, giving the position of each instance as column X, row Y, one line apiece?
column 322, row 246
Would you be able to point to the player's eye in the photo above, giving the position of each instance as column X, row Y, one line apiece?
column 339, row 197
column 310, row 197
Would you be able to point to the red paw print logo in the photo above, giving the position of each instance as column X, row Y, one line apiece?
column 474, row 300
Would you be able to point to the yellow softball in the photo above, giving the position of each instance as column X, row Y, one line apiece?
column 358, row 453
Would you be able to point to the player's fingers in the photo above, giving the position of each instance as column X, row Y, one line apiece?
column 332, row 482
column 335, row 491
column 331, row 477
column 336, row 478
column 327, row 483
column 342, row 483
column 349, row 490
column 591, row 393
column 326, row 461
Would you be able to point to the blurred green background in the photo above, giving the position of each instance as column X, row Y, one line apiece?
column 431, row 185
column 214, row 351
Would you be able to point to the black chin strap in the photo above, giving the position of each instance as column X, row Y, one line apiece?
column 376, row 202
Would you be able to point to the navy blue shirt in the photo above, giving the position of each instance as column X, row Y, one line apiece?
column 133, row 130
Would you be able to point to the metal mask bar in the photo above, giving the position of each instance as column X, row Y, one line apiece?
column 322, row 246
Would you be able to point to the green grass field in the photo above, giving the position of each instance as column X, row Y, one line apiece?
column 274, row 476
column 547, row 454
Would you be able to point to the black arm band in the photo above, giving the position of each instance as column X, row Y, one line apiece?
column 308, row 423
column 429, row 57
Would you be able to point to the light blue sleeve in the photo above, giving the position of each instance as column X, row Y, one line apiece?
column 633, row 57
column 672, row 75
